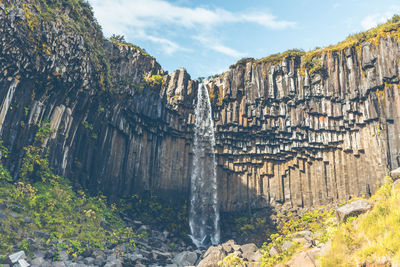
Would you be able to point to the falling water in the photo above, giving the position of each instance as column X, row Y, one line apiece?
column 204, row 214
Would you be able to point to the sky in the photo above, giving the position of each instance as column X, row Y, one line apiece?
column 207, row 36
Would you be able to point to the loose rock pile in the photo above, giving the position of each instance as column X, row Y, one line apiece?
column 154, row 250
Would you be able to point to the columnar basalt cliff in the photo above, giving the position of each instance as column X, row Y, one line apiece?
column 113, row 130
column 302, row 131
column 308, row 140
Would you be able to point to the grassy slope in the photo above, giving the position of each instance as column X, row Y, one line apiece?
column 372, row 237
column 41, row 201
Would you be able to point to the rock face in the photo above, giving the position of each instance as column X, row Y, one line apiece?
column 117, row 135
column 312, row 139
column 284, row 134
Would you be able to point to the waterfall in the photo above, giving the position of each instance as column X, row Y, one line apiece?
column 204, row 213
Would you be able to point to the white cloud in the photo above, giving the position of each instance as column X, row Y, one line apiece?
column 378, row 18
column 169, row 47
column 267, row 20
column 152, row 13
column 146, row 19
column 215, row 45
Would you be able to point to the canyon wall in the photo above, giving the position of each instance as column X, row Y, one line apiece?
column 285, row 133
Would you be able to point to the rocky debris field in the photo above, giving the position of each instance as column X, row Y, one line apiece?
column 157, row 249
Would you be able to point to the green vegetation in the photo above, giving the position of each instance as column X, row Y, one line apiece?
column 76, row 221
column 117, row 39
column 391, row 27
column 154, row 211
column 277, row 58
column 232, row 261
column 372, row 237
column 318, row 221
column 87, row 125
column 155, row 81
column 313, row 64
column 77, row 18
column 241, row 62
column 120, row 41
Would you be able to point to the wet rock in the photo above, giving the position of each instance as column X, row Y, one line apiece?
column 352, row 209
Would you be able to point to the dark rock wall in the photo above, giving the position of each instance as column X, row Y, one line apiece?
column 283, row 135
column 121, row 140
column 308, row 139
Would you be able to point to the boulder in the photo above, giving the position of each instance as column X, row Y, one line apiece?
column 161, row 255
column 185, row 258
column 37, row 262
column 14, row 258
column 212, row 256
column 58, row 264
column 354, row 208
column 228, row 246
column 23, row 263
column 395, row 174
column 88, row 260
column 248, row 251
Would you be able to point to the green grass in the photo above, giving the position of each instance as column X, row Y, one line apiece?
column 120, row 41
column 391, row 27
column 61, row 213
column 319, row 220
column 75, row 220
column 372, row 237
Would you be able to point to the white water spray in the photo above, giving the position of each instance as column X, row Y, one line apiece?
column 204, row 213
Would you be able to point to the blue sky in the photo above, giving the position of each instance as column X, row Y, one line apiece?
column 207, row 36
